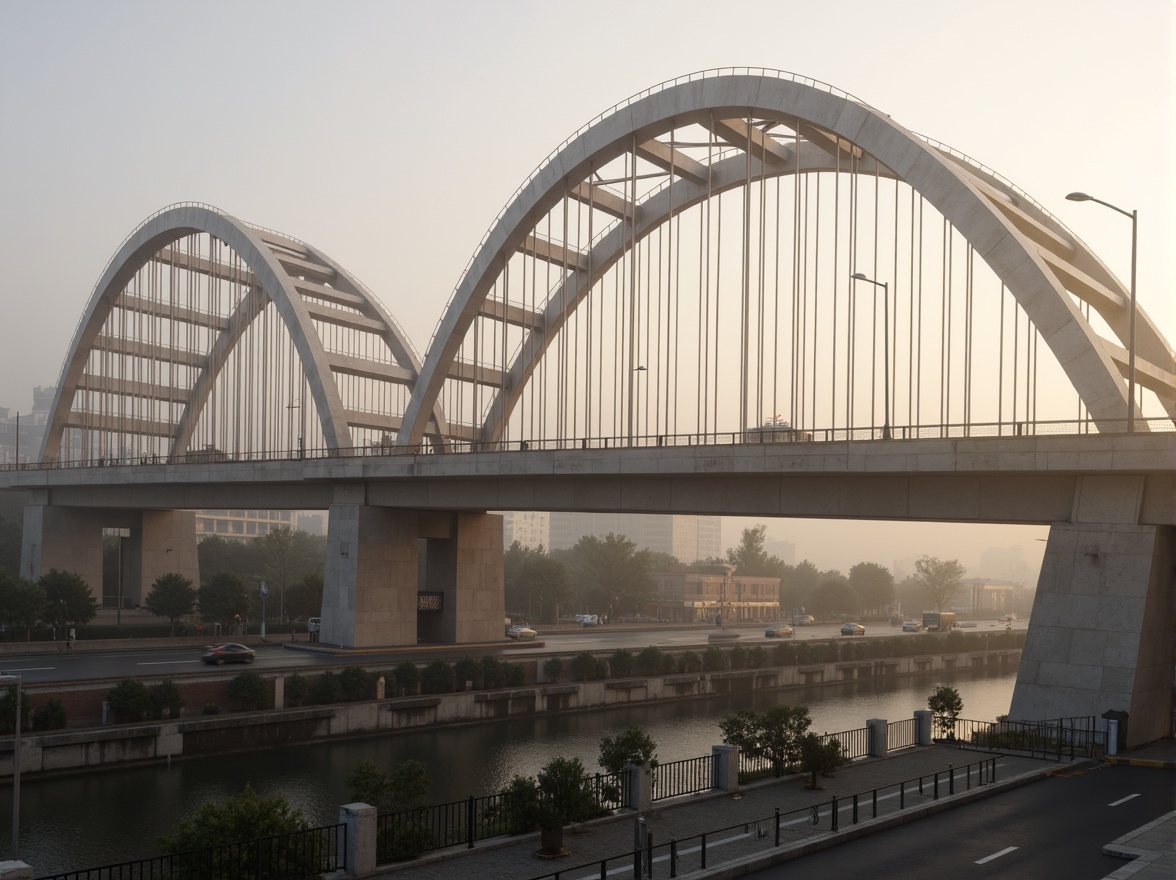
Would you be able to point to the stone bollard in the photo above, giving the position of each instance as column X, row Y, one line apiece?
column 380, row 688
column 923, row 727
column 726, row 773
column 279, row 692
column 640, row 779
column 360, row 820
column 877, row 744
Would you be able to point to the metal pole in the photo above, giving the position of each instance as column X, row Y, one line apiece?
column 1131, row 331
column 886, row 357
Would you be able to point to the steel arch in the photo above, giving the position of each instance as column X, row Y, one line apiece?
column 1035, row 256
column 258, row 249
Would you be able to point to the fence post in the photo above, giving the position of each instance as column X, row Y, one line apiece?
column 777, row 826
column 470, row 822
column 673, row 857
column 703, row 858
column 640, row 784
column 874, row 797
column 649, row 853
column 360, row 853
column 902, row 795
column 951, row 779
column 638, row 836
column 935, row 796
column 726, row 772
column 923, row 727
column 876, row 738
column 855, row 809
column 992, row 775
column 834, row 815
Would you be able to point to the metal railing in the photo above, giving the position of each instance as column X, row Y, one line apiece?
column 308, row 853
column 437, row 826
column 723, row 844
column 855, row 744
column 677, row 778
column 902, row 734
column 768, row 438
column 1052, row 740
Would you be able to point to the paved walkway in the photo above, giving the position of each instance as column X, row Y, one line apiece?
column 1151, row 848
column 749, row 819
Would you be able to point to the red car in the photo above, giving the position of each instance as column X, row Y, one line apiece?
column 227, row 653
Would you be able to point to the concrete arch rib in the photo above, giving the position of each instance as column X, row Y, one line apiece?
column 944, row 183
column 158, row 231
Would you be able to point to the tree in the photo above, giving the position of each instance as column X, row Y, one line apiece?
column 611, row 572
column 835, row 598
column 130, row 701
column 8, row 711
column 945, row 704
column 631, row 746
column 939, row 578
column 533, row 579
column 223, row 597
column 873, row 583
column 67, row 599
column 773, row 734
column 396, row 792
column 21, row 602
column 171, row 596
column 304, row 598
column 818, row 756
column 750, row 558
column 249, row 690
column 564, row 796
column 798, row 583
column 10, row 539
column 288, row 555
column 242, row 817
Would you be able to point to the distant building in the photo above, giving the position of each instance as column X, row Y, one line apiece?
column 686, row 538
column 241, row 525
column 691, row 597
column 531, row 528
column 312, row 523
column 32, row 428
column 985, row 596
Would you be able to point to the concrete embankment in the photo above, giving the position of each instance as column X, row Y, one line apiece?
column 192, row 735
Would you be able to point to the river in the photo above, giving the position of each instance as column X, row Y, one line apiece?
column 110, row 816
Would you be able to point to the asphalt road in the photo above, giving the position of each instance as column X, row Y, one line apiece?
column 1050, row 829
column 38, row 668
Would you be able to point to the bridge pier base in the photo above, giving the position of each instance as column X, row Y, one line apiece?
column 70, row 539
column 380, row 562
column 1102, row 628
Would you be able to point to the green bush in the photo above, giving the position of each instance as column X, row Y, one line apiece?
column 689, row 661
column 49, row 717
column 516, row 676
column 326, row 689
column 649, row 661
column 437, row 678
column 468, row 669
column 297, row 689
column 584, row 667
column 785, row 654
column 241, row 817
column 757, row 657
column 493, row 673
column 166, row 699
column 356, row 683
column 620, row 664
column 713, row 660
column 249, row 691
column 211, row 709
column 737, row 657
column 631, row 746
column 408, row 678
column 553, row 669
column 129, row 702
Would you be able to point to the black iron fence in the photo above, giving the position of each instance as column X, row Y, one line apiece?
column 309, row 853
column 854, row 744
column 436, row 826
column 683, row 777
column 1053, row 740
column 902, row 734
column 717, row 845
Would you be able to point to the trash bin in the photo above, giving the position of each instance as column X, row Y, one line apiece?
column 1116, row 730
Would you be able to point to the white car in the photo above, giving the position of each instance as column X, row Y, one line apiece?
column 521, row 632
column 911, row 626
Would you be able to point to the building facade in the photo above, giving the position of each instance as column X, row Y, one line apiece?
column 692, row 597
column 686, row 538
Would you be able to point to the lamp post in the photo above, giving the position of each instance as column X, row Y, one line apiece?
column 1134, row 215
column 15, row 679
column 858, row 276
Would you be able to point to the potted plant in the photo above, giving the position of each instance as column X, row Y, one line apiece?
column 564, row 796
column 820, row 757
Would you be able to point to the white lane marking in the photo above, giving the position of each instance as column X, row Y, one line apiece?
column 996, row 855
column 1122, row 800
column 164, row 662
column 30, row 669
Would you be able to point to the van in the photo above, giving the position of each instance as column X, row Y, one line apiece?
column 939, row 621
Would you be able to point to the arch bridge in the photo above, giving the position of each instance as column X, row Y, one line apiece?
column 733, row 258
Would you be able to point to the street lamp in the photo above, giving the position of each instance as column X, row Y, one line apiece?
column 1134, row 215
column 15, row 679
column 858, row 276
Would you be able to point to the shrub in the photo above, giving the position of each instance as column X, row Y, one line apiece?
column 564, row 791
column 620, row 664
column 240, row 817
column 520, row 804
column 631, row 746
column 649, row 661
column 356, row 683
column 408, row 677
column 945, row 704
column 326, row 689
column 553, row 669
column 399, row 792
column 211, row 709
column 786, row 655
column 50, row 717
column 493, row 672
column 820, row 757
column 437, row 678
column 468, row 670
column 297, row 689
column 689, row 661
column 516, row 676
column 129, row 702
column 584, row 667
column 713, row 659
column 757, row 657
column 774, row 734
column 166, row 700
column 249, row 690
column 738, row 657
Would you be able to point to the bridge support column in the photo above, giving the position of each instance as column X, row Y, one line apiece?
column 1102, row 628
column 464, row 563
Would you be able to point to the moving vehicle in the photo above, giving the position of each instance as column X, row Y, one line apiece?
column 803, row 620
column 779, row 631
column 521, row 632
column 853, row 629
column 911, row 626
column 939, row 621
column 231, row 652
column 1009, row 617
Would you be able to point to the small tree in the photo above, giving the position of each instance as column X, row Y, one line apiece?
column 166, row 700
column 249, row 690
column 773, row 734
column 49, row 717
column 584, row 666
column 67, row 599
column 468, row 670
column 553, row 669
column 649, row 661
column 401, row 792
column 620, row 664
column 564, row 796
column 408, row 677
column 297, row 689
column 129, row 701
column 356, row 683
column 172, row 596
column 631, row 746
column 437, row 678
column 8, row 711
column 326, row 689
column 817, row 756
column 945, row 704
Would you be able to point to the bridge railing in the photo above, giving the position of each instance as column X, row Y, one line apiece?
column 771, row 435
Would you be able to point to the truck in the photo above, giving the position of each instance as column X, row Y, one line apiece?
column 939, row 621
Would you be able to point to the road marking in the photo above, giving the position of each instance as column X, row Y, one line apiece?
column 164, row 662
column 996, row 855
column 30, row 669
column 1122, row 800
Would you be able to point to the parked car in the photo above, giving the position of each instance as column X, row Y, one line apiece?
column 853, row 629
column 521, row 632
column 215, row 655
column 780, row 631
column 911, row 626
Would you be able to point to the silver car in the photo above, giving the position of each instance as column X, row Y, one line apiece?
column 521, row 632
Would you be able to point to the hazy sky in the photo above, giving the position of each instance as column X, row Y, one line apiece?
column 390, row 134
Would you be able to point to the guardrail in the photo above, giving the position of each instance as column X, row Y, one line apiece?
column 854, row 744
column 683, row 777
column 1051, row 740
column 308, row 853
column 902, row 734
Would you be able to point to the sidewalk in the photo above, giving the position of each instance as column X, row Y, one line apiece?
column 515, row 859
column 1152, row 847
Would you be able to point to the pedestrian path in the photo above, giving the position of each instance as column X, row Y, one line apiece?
column 1152, row 847
column 748, row 817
